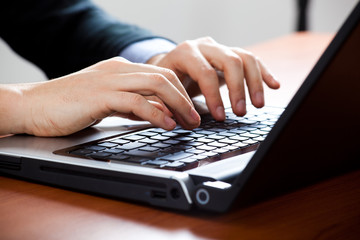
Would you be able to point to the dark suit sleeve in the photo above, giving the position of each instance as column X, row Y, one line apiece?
column 63, row 36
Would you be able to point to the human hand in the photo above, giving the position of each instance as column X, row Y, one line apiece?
column 68, row 104
column 200, row 59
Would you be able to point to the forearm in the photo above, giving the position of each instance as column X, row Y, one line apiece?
column 11, row 119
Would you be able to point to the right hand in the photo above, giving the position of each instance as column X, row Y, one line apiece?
column 116, row 86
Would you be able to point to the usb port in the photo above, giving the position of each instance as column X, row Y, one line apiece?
column 158, row 194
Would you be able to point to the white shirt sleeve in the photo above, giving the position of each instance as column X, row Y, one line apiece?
column 142, row 51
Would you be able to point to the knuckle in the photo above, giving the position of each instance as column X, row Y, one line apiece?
column 154, row 113
column 250, row 56
column 158, row 80
column 136, row 99
column 170, row 74
column 235, row 60
column 113, row 63
column 186, row 45
column 207, row 39
column 208, row 72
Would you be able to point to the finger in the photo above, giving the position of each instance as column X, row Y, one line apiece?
column 156, row 84
column 121, row 65
column 231, row 64
column 192, row 62
column 156, row 101
column 157, row 104
column 268, row 78
column 132, row 103
column 253, row 77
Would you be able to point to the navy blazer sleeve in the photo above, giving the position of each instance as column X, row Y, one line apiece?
column 63, row 36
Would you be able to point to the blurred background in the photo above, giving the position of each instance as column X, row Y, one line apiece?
column 231, row 22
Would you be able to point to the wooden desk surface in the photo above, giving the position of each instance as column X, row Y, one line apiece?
column 327, row 210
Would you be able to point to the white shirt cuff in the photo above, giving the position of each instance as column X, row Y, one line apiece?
column 142, row 51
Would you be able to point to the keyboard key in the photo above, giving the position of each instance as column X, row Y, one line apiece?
column 249, row 128
column 161, row 145
column 239, row 138
column 182, row 131
column 184, row 139
column 205, row 140
column 119, row 157
column 128, row 159
column 216, row 137
column 132, row 145
column 195, row 135
column 149, row 149
column 241, row 144
column 114, row 150
column 148, row 134
column 189, row 160
column 176, row 164
column 206, row 148
column 227, row 134
column 231, row 147
column 133, row 137
column 149, row 141
column 195, row 151
column 194, row 144
column 210, row 154
column 99, row 155
column 169, row 134
column 107, row 144
column 81, row 151
column 205, row 132
column 156, row 162
column 176, row 156
column 249, row 135
column 119, row 141
column 160, row 137
column 217, row 144
column 228, row 141
column 171, row 142
column 95, row 148
column 259, row 132
column 250, row 141
column 221, row 150
column 267, row 129
column 158, row 130
column 260, row 139
column 143, row 154
column 237, row 131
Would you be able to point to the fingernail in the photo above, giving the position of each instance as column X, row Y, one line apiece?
column 194, row 115
column 259, row 98
column 241, row 107
column 220, row 113
column 170, row 123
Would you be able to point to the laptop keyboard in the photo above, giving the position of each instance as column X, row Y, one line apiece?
column 181, row 149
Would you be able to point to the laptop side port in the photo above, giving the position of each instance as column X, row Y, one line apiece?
column 158, row 194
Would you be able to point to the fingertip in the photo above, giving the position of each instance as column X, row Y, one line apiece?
column 169, row 123
column 219, row 113
column 240, row 108
column 259, row 101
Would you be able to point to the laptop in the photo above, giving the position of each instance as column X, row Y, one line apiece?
column 241, row 161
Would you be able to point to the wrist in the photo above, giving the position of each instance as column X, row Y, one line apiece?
column 12, row 120
column 155, row 59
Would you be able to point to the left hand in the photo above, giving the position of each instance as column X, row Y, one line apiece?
column 199, row 59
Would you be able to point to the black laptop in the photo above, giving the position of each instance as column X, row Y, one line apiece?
column 239, row 161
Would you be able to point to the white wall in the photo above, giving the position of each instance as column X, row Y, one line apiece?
column 232, row 22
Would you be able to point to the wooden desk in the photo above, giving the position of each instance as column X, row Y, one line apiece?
column 328, row 210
